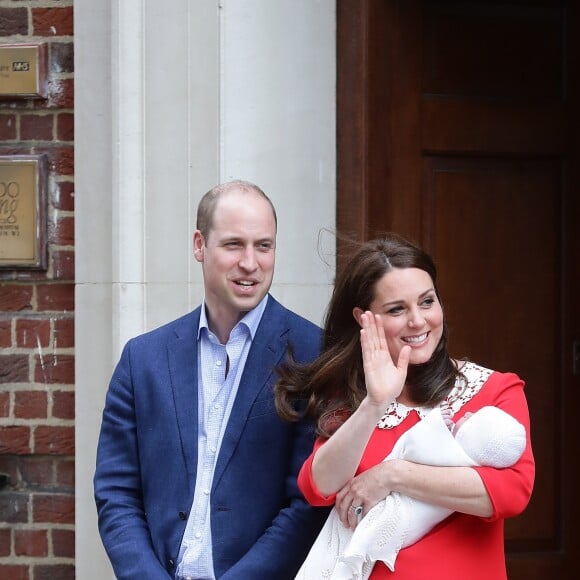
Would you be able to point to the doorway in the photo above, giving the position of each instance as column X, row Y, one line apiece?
column 457, row 128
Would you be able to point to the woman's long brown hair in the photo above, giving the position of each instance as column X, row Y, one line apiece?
column 333, row 386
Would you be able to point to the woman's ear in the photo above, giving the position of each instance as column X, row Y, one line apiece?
column 357, row 313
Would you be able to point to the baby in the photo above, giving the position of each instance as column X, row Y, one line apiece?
column 489, row 437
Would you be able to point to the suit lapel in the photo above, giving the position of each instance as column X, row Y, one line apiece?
column 268, row 348
column 182, row 356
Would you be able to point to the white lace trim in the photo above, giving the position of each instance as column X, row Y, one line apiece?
column 476, row 377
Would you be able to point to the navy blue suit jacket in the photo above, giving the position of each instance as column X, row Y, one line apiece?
column 147, row 457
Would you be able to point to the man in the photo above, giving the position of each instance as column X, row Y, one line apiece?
column 196, row 474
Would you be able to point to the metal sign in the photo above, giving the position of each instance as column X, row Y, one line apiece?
column 22, row 71
column 23, row 212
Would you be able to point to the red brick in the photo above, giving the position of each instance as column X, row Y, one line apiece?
column 5, row 542
column 9, row 464
column 65, row 127
column 37, row 471
column 63, row 161
column 52, row 21
column 53, row 508
column 54, row 440
column 32, row 543
column 54, row 572
column 15, row 150
column 7, row 127
column 37, row 127
column 5, row 333
column 63, row 543
column 15, row 297
column 63, row 405
column 4, row 404
column 13, row 508
column 65, row 473
column 14, row 368
column 64, row 196
column 30, row 405
column 15, row 439
column 63, row 265
column 32, row 333
column 56, row 297
column 62, row 233
column 62, row 57
column 64, row 333
column 55, row 369
column 13, row 572
column 61, row 94
column 13, row 21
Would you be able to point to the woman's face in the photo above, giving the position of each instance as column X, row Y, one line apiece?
column 412, row 315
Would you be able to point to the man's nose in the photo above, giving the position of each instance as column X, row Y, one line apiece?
column 248, row 261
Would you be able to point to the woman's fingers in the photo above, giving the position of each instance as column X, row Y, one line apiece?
column 349, row 508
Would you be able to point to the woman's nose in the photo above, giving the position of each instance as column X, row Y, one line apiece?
column 416, row 319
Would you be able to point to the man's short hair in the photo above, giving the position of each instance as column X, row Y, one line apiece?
column 208, row 203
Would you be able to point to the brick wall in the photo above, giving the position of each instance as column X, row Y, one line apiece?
column 36, row 320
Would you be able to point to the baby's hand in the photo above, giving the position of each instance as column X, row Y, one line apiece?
column 447, row 415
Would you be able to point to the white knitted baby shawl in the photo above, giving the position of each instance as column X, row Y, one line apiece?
column 399, row 521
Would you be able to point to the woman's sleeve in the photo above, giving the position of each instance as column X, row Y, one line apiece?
column 306, row 484
column 510, row 489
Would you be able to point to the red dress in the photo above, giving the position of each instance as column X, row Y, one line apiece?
column 461, row 546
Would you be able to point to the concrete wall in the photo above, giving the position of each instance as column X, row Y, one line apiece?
column 170, row 101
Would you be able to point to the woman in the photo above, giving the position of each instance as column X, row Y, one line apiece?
column 384, row 366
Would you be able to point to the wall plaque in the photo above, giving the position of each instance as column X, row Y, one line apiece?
column 23, row 180
column 22, row 71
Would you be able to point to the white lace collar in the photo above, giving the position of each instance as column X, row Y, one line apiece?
column 476, row 377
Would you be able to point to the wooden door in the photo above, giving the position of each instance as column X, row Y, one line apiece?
column 458, row 127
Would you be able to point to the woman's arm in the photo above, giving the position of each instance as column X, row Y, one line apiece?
column 335, row 463
column 459, row 489
column 454, row 488
column 481, row 491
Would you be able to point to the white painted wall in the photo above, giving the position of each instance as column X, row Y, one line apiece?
column 168, row 103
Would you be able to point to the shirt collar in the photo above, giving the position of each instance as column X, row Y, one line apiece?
column 251, row 319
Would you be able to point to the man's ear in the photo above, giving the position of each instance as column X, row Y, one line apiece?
column 357, row 313
column 198, row 246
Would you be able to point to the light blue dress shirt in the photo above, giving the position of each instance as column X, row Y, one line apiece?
column 216, row 394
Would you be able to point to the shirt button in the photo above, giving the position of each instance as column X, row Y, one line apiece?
column 218, row 363
column 198, row 535
column 213, row 449
column 216, row 406
column 206, row 491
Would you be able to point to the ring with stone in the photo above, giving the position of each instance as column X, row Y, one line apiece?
column 357, row 509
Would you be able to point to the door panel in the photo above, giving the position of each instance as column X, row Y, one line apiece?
column 495, row 271
column 457, row 127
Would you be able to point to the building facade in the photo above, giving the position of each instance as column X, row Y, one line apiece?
column 167, row 103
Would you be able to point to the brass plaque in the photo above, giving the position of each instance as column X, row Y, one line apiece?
column 23, row 211
column 22, row 70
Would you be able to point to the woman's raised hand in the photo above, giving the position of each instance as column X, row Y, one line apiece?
column 384, row 377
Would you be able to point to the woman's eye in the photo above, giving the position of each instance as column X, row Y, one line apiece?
column 396, row 310
column 429, row 302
